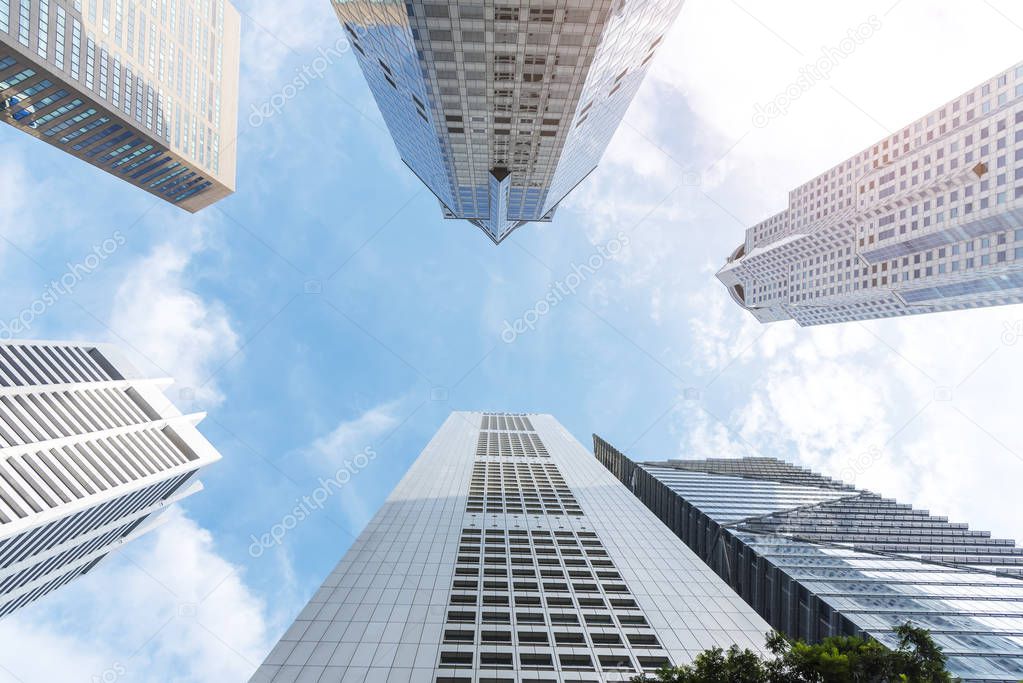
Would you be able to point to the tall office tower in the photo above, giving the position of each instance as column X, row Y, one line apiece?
column 925, row 220
column 817, row 558
column 89, row 452
column 502, row 107
column 507, row 553
column 145, row 91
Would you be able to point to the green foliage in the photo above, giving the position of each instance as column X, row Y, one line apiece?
column 840, row 659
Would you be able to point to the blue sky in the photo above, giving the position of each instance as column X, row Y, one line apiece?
column 326, row 309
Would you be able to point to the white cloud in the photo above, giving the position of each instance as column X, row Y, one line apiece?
column 279, row 33
column 171, row 327
column 346, row 451
column 18, row 193
column 354, row 435
column 914, row 409
column 836, row 397
column 167, row 609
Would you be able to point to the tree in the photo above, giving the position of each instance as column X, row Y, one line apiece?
column 839, row 659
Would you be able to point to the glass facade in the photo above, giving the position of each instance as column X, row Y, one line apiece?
column 818, row 558
column 508, row 554
column 155, row 84
column 925, row 220
column 502, row 110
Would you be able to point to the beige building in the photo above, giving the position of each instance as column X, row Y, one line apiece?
column 145, row 90
column 924, row 221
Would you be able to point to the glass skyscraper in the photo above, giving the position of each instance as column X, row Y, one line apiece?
column 500, row 108
column 90, row 452
column 926, row 220
column 146, row 91
column 507, row 553
column 816, row 557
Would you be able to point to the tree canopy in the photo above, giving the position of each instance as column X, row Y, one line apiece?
column 839, row 659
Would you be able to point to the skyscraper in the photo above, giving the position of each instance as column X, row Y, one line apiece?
column 145, row 91
column 816, row 557
column 501, row 108
column 89, row 451
column 507, row 553
column 925, row 220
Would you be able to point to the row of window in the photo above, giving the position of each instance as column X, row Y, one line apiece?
column 544, row 661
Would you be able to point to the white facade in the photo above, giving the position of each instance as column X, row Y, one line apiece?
column 926, row 220
column 145, row 90
column 502, row 108
column 89, row 450
column 508, row 553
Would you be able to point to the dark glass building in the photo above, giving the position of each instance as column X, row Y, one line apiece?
column 817, row 557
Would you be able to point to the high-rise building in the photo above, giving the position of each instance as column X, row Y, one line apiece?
column 145, row 91
column 926, row 220
column 816, row 557
column 507, row 553
column 90, row 451
column 501, row 108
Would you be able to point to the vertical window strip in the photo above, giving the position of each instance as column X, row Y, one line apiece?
column 116, row 83
column 142, row 41
column 24, row 21
column 159, row 115
column 5, row 16
column 152, row 47
column 131, row 29
column 216, row 152
column 44, row 28
column 104, row 72
column 76, row 48
column 127, row 90
column 138, row 98
column 90, row 62
column 58, row 53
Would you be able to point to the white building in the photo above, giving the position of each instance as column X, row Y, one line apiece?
column 146, row 91
column 508, row 553
column 926, row 220
column 501, row 108
column 89, row 452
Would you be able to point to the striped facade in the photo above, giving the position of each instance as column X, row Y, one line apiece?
column 89, row 452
